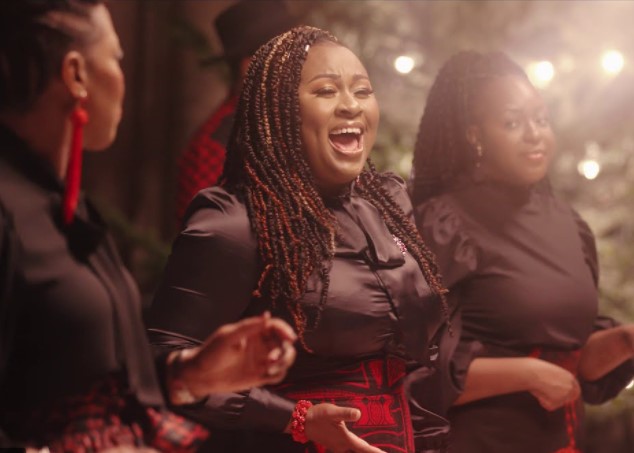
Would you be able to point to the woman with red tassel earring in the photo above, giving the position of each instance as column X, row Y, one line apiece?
column 76, row 371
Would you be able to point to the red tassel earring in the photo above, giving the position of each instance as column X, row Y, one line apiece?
column 78, row 117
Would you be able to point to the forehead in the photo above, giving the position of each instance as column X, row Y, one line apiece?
column 327, row 58
column 508, row 93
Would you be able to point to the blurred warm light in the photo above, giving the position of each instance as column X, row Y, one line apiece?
column 566, row 64
column 541, row 73
column 630, row 385
column 404, row 165
column 404, row 64
column 589, row 168
column 612, row 61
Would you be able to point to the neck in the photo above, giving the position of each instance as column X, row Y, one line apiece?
column 46, row 130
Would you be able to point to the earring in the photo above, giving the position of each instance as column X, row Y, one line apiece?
column 78, row 118
column 479, row 154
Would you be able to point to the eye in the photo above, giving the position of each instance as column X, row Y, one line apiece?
column 511, row 124
column 542, row 121
column 326, row 91
column 364, row 92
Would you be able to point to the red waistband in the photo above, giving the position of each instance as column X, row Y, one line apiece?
column 568, row 360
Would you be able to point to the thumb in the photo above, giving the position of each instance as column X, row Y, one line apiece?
column 348, row 414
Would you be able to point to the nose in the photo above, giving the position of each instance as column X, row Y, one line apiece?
column 349, row 105
column 532, row 132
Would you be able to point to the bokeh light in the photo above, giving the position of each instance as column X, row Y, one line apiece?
column 589, row 168
column 612, row 62
column 541, row 73
column 404, row 64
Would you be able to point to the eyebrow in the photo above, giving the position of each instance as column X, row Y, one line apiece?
column 337, row 76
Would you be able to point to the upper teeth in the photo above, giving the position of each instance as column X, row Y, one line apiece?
column 347, row 130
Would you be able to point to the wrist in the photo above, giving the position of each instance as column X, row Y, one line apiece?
column 297, row 425
column 179, row 378
column 628, row 338
column 530, row 373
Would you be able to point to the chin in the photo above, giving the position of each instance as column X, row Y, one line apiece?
column 101, row 142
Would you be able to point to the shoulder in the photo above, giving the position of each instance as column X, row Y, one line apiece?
column 392, row 182
column 437, row 211
column 396, row 188
column 217, row 217
column 443, row 227
column 215, row 209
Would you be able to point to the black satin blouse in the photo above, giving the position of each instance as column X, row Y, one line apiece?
column 378, row 302
column 522, row 270
column 72, row 315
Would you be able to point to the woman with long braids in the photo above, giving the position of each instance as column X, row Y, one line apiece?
column 76, row 371
column 300, row 228
column 527, row 347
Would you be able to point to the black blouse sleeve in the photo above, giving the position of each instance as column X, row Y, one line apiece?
column 208, row 282
column 589, row 246
column 8, row 255
column 457, row 256
column 610, row 385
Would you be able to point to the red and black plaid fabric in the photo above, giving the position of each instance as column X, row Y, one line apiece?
column 104, row 417
column 201, row 163
column 375, row 387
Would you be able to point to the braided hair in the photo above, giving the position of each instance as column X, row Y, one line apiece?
column 296, row 232
column 34, row 37
column 442, row 152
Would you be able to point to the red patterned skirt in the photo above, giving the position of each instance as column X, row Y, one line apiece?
column 375, row 387
column 104, row 417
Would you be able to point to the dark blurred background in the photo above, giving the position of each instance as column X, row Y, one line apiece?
column 579, row 52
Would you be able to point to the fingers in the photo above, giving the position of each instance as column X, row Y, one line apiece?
column 345, row 414
column 281, row 329
column 358, row 445
column 235, row 331
column 278, row 367
column 361, row 446
column 255, row 325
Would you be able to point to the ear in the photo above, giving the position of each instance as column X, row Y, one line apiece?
column 74, row 75
column 473, row 135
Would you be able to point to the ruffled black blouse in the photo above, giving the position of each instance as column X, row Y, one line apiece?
column 522, row 271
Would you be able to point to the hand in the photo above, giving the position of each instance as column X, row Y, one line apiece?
column 326, row 425
column 252, row 352
column 552, row 385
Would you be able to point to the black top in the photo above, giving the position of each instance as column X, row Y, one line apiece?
column 75, row 309
column 378, row 302
column 522, row 268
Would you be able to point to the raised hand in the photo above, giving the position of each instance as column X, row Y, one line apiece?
column 326, row 425
column 250, row 353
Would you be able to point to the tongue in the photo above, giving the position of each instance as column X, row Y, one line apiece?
column 345, row 143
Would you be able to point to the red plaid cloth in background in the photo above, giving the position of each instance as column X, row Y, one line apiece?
column 101, row 418
column 201, row 163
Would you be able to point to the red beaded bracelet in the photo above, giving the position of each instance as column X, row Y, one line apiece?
column 298, row 421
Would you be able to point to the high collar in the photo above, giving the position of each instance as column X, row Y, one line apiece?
column 504, row 191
